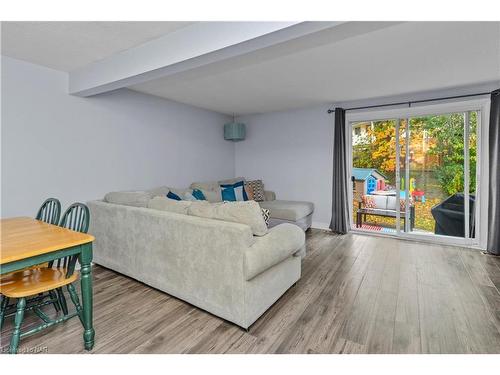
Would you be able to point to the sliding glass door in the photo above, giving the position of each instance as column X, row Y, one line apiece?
column 416, row 176
column 442, row 178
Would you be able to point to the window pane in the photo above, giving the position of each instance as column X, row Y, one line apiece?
column 437, row 173
column 472, row 170
column 374, row 171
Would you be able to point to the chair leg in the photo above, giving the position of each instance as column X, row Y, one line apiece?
column 18, row 320
column 3, row 307
column 62, row 301
column 75, row 300
column 53, row 296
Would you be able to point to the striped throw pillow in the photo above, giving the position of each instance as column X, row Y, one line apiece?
column 266, row 214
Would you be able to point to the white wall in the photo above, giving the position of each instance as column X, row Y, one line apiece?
column 292, row 152
column 77, row 149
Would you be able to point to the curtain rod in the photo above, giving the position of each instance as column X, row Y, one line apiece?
column 414, row 101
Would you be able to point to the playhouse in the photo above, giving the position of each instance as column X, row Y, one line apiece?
column 367, row 180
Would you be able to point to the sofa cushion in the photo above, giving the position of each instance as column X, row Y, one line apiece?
column 169, row 205
column 269, row 195
column 188, row 196
column 248, row 213
column 213, row 196
column 384, row 202
column 288, row 210
column 129, row 198
column 282, row 241
column 214, row 185
column 391, row 203
column 210, row 195
column 208, row 185
column 304, row 223
column 375, row 201
column 160, row 190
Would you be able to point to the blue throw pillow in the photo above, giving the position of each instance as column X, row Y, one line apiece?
column 228, row 194
column 238, row 191
column 173, row 196
column 198, row 194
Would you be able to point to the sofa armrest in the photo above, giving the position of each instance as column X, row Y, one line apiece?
column 269, row 195
column 281, row 242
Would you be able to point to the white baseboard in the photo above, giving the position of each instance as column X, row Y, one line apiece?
column 320, row 225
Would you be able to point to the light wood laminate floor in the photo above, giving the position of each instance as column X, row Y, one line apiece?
column 357, row 294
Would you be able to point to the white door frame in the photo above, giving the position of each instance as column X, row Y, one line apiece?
column 437, row 108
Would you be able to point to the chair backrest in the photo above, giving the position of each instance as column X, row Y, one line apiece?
column 49, row 211
column 76, row 217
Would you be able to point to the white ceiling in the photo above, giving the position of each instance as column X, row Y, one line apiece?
column 70, row 45
column 322, row 68
column 404, row 58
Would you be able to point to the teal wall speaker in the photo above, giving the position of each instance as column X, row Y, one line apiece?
column 234, row 131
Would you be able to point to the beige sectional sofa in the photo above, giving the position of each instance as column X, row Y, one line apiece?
column 219, row 266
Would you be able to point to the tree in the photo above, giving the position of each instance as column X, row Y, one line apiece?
column 443, row 154
column 447, row 131
column 377, row 148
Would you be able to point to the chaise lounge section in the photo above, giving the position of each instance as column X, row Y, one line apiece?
column 294, row 212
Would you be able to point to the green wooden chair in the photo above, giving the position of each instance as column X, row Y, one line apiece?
column 50, row 211
column 29, row 283
column 77, row 218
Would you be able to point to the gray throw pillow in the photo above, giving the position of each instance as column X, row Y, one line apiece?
column 209, row 185
column 213, row 196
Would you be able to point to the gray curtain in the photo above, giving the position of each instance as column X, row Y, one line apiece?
column 493, row 246
column 340, row 207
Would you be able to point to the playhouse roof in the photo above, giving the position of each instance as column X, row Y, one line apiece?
column 361, row 174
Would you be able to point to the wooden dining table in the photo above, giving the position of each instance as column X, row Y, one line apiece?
column 26, row 242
